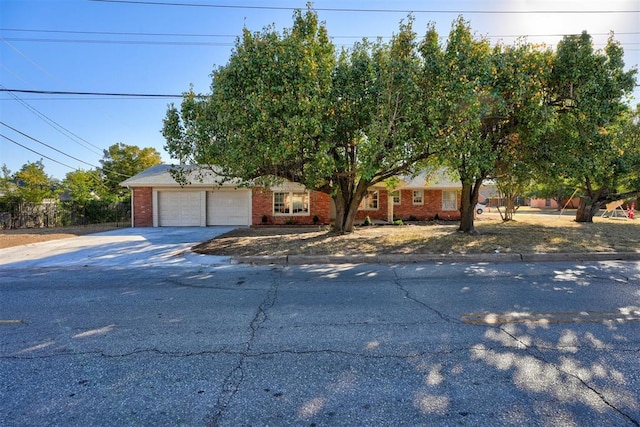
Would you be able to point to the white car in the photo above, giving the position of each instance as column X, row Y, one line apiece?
column 480, row 208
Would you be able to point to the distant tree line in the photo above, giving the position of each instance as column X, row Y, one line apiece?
column 31, row 198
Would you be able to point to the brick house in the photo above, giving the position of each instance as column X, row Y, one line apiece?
column 157, row 200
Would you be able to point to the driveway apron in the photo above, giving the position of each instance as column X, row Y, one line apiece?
column 127, row 247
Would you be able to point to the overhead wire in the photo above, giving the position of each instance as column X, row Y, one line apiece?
column 95, row 178
column 337, row 9
column 62, row 152
column 36, row 152
column 58, row 127
column 66, row 92
column 144, row 34
column 45, row 144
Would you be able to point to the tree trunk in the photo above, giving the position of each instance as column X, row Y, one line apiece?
column 587, row 209
column 509, row 208
column 346, row 209
column 468, row 201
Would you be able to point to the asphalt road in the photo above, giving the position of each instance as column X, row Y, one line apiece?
column 387, row 345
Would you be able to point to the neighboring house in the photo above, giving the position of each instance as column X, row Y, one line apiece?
column 553, row 204
column 159, row 201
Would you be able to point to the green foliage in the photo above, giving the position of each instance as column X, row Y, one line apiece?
column 82, row 186
column 121, row 161
column 287, row 106
column 588, row 144
column 32, row 184
column 490, row 102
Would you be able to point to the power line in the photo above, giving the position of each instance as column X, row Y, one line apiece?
column 46, row 145
column 34, row 151
column 215, row 44
column 38, row 66
column 125, row 42
column 58, row 127
column 333, row 9
column 62, row 152
column 118, row 33
column 141, row 34
column 112, row 94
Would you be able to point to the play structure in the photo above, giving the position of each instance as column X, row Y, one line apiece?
column 615, row 208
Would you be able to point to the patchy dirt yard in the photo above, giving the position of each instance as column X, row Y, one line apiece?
column 528, row 233
column 10, row 238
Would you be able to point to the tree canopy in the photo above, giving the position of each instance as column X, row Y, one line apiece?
column 286, row 106
column 121, row 161
column 33, row 185
column 83, row 186
column 589, row 142
column 492, row 99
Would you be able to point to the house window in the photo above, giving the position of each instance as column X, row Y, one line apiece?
column 418, row 197
column 370, row 201
column 396, row 197
column 290, row 203
column 449, row 200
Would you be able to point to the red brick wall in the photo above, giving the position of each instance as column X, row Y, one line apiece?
column 142, row 207
column 377, row 214
column 262, row 204
column 431, row 207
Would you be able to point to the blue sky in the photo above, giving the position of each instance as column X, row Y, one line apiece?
column 134, row 48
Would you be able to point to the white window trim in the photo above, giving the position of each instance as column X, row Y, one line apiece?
column 399, row 197
column 455, row 203
column 364, row 206
column 291, row 213
column 413, row 197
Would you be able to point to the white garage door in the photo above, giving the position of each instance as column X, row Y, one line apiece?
column 229, row 207
column 179, row 208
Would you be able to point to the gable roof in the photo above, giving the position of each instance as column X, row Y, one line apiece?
column 159, row 175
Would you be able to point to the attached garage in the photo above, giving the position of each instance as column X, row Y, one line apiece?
column 159, row 201
column 229, row 207
column 178, row 208
column 189, row 208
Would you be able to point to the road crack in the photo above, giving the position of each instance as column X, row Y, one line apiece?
column 234, row 379
column 398, row 282
column 535, row 352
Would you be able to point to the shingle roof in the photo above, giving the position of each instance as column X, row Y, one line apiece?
column 439, row 179
column 159, row 175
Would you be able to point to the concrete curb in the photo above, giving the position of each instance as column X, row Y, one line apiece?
column 430, row 258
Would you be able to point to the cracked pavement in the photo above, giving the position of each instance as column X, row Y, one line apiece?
column 410, row 344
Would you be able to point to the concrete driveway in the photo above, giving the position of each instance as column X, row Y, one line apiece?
column 127, row 247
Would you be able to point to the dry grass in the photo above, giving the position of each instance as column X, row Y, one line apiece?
column 528, row 233
column 11, row 238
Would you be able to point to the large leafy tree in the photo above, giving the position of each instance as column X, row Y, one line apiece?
column 83, row 185
column 589, row 89
column 121, row 161
column 491, row 101
column 33, row 185
column 286, row 106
